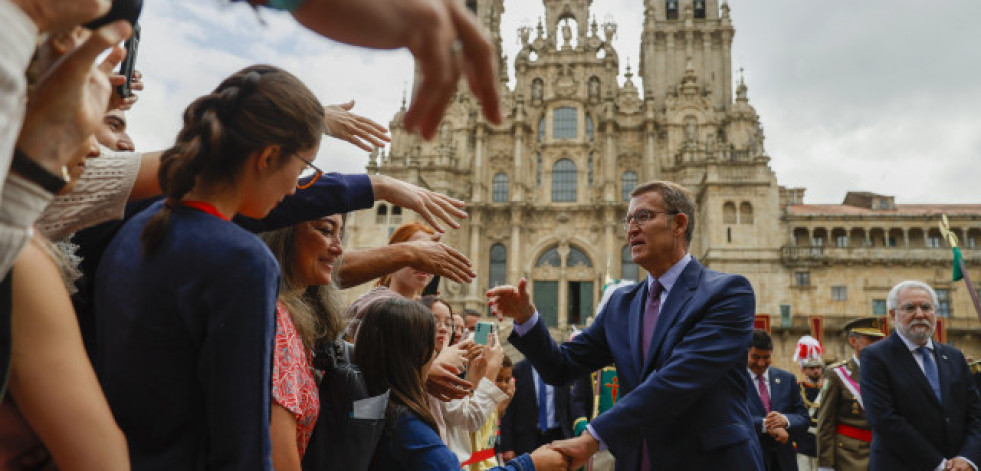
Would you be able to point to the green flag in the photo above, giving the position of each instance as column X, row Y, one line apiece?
column 958, row 261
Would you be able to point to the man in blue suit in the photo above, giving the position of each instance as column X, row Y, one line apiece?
column 777, row 407
column 679, row 340
column 919, row 395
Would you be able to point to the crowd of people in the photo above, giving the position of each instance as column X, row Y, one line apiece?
column 175, row 309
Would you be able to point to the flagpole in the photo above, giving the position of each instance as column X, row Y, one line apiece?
column 970, row 287
column 960, row 268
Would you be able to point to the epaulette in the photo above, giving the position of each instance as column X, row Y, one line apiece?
column 837, row 364
column 976, row 367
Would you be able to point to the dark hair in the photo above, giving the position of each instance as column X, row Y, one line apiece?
column 257, row 107
column 317, row 310
column 676, row 199
column 396, row 339
column 506, row 362
column 761, row 340
column 429, row 300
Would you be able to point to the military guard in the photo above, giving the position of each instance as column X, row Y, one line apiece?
column 808, row 355
column 592, row 395
column 844, row 434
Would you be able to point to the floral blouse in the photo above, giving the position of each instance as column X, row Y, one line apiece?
column 294, row 386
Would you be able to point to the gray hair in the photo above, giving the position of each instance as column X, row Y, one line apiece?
column 892, row 301
column 676, row 199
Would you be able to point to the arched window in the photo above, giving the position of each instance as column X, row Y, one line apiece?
column 564, row 181
column 671, row 9
column 745, row 213
column 500, row 192
column 589, row 168
column 382, row 214
column 577, row 257
column 628, row 269
column 729, row 213
column 700, row 9
column 565, row 123
column 498, row 265
column 541, row 129
column 589, row 128
column 549, row 259
column 627, row 183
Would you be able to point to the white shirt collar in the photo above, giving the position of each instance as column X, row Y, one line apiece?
column 670, row 277
column 766, row 375
column 912, row 346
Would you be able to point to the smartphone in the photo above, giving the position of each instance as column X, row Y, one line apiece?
column 482, row 332
column 128, row 66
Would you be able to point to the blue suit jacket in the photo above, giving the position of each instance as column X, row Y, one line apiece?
column 785, row 399
column 911, row 429
column 688, row 398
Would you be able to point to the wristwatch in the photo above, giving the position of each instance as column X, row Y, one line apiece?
column 31, row 170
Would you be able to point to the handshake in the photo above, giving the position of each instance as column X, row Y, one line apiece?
column 564, row 455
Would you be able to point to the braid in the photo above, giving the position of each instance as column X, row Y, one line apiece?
column 257, row 107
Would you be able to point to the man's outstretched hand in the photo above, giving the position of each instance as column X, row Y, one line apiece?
column 577, row 450
column 548, row 459
column 511, row 301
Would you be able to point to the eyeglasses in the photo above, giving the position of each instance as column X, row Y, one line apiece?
column 641, row 217
column 910, row 308
column 309, row 174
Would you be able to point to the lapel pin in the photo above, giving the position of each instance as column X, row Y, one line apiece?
column 777, row 380
column 945, row 356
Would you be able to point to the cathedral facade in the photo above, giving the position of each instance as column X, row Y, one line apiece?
column 547, row 188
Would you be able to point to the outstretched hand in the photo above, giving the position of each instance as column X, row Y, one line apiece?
column 444, row 384
column 341, row 123
column 511, row 301
column 432, row 206
column 440, row 259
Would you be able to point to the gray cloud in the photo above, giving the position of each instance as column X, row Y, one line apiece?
column 872, row 95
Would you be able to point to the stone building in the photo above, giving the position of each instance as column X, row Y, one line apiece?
column 546, row 189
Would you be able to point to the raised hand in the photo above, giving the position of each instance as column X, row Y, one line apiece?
column 444, row 384
column 71, row 99
column 341, row 123
column 577, row 450
column 432, row 206
column 511, row 301
column 547, row 458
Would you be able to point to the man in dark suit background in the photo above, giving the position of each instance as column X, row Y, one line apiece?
column 919, row 395
column 777, row 407
column 525, row 426
column 679, row 340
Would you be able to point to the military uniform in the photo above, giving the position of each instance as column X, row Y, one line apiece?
column 844, row 435
column 806, row 441
column 586, row 404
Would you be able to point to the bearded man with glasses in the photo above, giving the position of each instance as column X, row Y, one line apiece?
column 679, row 341
column 919, row 394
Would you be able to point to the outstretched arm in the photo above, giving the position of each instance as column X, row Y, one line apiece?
column 361, row 266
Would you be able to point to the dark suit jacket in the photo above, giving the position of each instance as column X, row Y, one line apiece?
column 785, row 399
column 688, row 399
column 519, row 425
column 911, row 429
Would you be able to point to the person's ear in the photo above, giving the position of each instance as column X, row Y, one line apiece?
column 681, row 224
column 268, row 157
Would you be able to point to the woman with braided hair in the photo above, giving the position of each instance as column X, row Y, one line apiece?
column 185, row 300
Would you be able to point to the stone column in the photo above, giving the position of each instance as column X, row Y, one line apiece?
column 514, row 258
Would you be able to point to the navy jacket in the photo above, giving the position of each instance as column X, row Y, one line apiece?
column 185, row 339
column 688, row 399
column 519, row 424
column 785, row 399
column 911, row 429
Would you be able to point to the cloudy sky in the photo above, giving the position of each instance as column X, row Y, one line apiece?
column 874, row 95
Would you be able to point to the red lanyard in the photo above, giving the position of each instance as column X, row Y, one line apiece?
column 205, row 207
